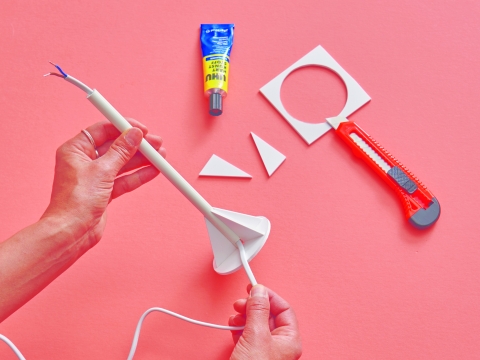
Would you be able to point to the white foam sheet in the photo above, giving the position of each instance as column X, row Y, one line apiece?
column 271, row 157
column 253, row 230
column 216, row 166
column 356, row 96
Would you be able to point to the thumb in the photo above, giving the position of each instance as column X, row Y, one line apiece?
column 123, row 149
column 258, row 311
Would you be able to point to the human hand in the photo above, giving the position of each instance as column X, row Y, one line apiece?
column 271, row 329
column 83, row 185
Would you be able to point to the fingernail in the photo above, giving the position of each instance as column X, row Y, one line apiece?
column 134, row 136
column 259, row 290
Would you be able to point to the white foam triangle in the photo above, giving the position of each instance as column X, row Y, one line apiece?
column 245, row 226
column 221, row 247
column 249, row 228
column 216, row 166
column 271, row 157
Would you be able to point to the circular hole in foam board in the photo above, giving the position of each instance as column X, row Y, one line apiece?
column 313, row 93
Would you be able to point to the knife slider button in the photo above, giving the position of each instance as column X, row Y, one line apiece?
column 402, row 179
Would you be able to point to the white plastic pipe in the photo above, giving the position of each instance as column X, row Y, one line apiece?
column 161, row 164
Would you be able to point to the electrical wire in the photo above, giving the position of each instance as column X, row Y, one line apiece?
column 59, row 69
column 252, row 279
column 54, row 74
column 70, row 79
column 196, row 322
column 241, row 249
column 12, row 346
column 136, row 336
column 246, row 266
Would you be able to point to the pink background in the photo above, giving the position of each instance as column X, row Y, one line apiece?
column 364, row 284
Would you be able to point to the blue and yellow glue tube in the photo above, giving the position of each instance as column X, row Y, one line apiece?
column 217, row 41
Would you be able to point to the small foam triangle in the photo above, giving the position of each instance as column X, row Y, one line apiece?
column 251, row 229
column 271, row 157
column 245, row 226
column 216, row 166
column 222, row 248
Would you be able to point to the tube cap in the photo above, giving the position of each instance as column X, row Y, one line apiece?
column 216, row 104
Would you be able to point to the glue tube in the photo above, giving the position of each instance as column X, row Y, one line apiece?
column 216, row 41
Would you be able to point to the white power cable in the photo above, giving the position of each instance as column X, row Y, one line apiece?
column 246, row 266
column 253, row 281
column 12, row 346
column 133, row 348
column 196, row 322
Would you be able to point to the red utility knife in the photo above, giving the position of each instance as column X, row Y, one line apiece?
column 420, row 206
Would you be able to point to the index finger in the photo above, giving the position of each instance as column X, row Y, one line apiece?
column 104, row 131
column 101, row 132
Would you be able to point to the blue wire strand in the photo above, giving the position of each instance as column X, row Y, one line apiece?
column 61, row 71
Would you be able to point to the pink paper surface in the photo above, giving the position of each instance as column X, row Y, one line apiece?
column 364, row 283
